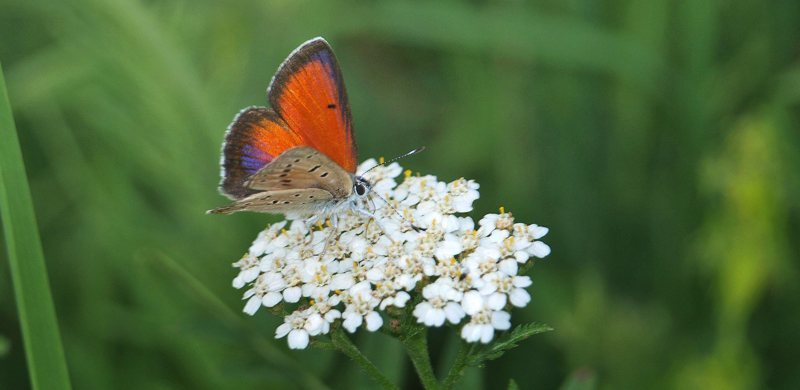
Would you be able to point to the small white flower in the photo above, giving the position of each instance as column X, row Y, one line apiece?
column 490, row 222
column 539, row 249
column 463, row 193
column 505, row 285
column 248, row 270
column 265, row 239
column 360, row 308
column 299, row 325
column 483, row 260
column 441, row 302
column 482, row 325
column 266, row 291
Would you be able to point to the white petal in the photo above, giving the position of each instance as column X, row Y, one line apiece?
column 448, row 248
column 471, row 333
column 450, row 223
column 434, row 317
column 374, row 321
column 539, row 231
column 539, row 249
column 472, row 302
column 250, row 274
column 314, row 324
column 508, row 266
column 496, row 301
column 498, row 235
column 283, row 330
column 501, row 320
column 292, row 294
column 298, row 339
column 487, row 333
column 271, row 299
column 432, row 290
column 375, row 275
column 307, row 289
column 238, row 281
column 421, row 311
column 249, row 293
column 521, row 256
column 466, row 224
column 454, row 312
column 489, row 285
column 401, row 298
column 522, row 281
column 332, row 315
column 259, row 245
column 252, row 305
column 519, row 297
column 342, row 281
column 352, row 322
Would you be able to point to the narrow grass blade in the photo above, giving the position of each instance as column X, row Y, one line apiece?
column 46, row 363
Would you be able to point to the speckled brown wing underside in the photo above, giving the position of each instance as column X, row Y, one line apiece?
column 302, row 202
column 301, row 168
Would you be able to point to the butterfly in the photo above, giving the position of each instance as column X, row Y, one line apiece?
column 300, row 157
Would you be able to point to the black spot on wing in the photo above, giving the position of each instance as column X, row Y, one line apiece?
column 331, row 106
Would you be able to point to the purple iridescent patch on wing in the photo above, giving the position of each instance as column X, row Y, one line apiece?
column 253, row 159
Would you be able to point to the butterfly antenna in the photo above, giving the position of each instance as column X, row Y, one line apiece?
column 411, row 153
column 416, row 229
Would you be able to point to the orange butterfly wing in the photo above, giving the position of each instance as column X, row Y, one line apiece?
column 310, row 108
column 308, row 93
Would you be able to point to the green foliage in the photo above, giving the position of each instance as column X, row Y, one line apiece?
column 37, row 317
column 656, row 139
column 498, row 347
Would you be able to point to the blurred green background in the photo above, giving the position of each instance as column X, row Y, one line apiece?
column 658, row 140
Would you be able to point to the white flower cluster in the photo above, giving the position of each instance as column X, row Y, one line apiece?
column 369, row 267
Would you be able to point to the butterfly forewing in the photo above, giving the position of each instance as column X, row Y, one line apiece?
column 303, row 167
column 308, row 93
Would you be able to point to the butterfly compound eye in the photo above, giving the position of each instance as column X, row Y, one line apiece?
column 361, row 189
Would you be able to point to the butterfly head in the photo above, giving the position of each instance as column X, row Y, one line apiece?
column 361, row 186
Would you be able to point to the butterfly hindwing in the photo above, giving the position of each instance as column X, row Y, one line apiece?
column 254, row 139
column 303, row 167
column 309, row 94
column 299, row 201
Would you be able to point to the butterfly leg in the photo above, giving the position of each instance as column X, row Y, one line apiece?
column 334, row 230
column 373, row 218
column 309, row 222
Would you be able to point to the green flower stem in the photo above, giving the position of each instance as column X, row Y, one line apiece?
column 457, row 371
column 417, row 349
column 343, row 343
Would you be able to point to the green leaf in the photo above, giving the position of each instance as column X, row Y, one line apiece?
column 506, row 342
column 512, row 385
column 47, row 366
